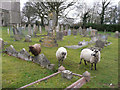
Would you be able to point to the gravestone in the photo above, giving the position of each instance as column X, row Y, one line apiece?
column 8, row 30
column 28, row 38
column 46, row 28
column 84, row 33
column 62, row 28
column 1, row 44
column 29, row 30
column 11, row 51
column 40, row 29
column 80, row 30
column 74, row 32
column 66, row 27
column 65, row 32
column 104, row 37
column 35, row 30
column 88, row 31
column 17, row 37
column 43, row 61
column 50, row 40
column 99, row 44
column 57, row 28
column 59, row 35
column 93, row 33
column 25, row 27
column 69, row 32
column 116, row 34
column 23, row 54
column 94, row 39
column 67, row 74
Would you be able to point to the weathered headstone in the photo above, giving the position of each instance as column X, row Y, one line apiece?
column 99, row 44
column 116, row 34
column 29, row 30
column 17, row 37
column 8, row 31
column 46, row 28
column 80, row 30
column 43, row 61
column 67, row 74
column 1, row 44
column 74, row 32
column 11, row 51
column 69, row 32
column 40, row 29
column 57, row 28
column 66, row 27
column 35, row 29
column 88, row 31
column 28, row 38
column 62, row 28
column 23, row 54
column 65, row 32
column 84, row 33
column 59, row 35
column 93, row 33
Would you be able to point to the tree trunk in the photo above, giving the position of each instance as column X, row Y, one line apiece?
column 42, row 21
column 56, row 22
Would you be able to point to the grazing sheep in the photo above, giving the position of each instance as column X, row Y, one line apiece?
column 61, row 54
column 35, row 49
column 90, row 56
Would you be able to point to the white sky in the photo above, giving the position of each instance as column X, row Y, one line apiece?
column 89, row 2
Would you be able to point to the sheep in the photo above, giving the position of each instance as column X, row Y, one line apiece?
column 90, row 56
column 35, row 49
column 61, row 54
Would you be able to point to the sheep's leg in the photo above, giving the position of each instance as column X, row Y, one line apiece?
column 91, row 65
column 95, row 66
column 80, row 61
column 58, row 63
column 62, row 62
column 85, row 62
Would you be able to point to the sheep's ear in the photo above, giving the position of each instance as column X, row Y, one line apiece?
column 99, row 49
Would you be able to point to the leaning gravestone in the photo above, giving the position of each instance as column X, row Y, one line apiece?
column 17, row 37
column 11, row 51
column 1, row 44
column 99, row 44
column 93, row 33
column 43, row 61
column 59, row 35
column 116, row 34
column 23, row 54
column 74, row 32
column 28, row 38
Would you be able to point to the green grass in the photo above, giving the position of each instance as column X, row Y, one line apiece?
column 17, row 73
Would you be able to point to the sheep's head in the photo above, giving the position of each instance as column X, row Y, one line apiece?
column 63, row 55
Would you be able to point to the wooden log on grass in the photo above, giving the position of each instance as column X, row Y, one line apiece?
column 61, row 68
column 79, row 83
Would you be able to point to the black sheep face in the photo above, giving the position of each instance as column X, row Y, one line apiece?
column 63, row 54
column 32, row 50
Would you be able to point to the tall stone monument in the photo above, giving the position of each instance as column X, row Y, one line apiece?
column 50, row 41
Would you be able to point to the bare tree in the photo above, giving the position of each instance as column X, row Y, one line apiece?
column 105, row 4
column 28, row 12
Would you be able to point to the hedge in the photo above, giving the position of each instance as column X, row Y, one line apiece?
column 99, row 27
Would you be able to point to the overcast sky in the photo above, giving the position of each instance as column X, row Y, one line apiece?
column 89, row 2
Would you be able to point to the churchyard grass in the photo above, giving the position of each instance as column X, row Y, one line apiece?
column 17, row 73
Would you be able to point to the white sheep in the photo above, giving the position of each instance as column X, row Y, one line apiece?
column 61, row 54
column 90, row 56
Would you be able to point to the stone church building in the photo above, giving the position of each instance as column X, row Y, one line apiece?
column 9, row 13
